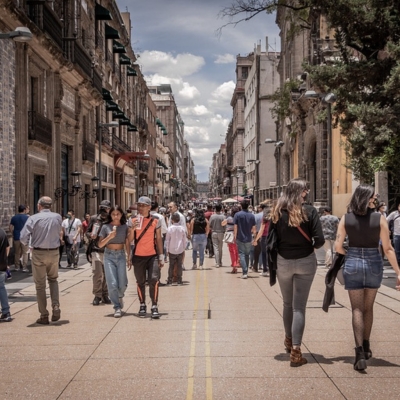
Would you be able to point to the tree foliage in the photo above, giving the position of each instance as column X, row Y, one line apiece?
column 364, row 75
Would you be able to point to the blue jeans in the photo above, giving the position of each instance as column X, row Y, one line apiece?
column 264, row 253
column 116, row 277
column 396, row 245
column 244, row 250
column 199, row 243
column 5, row 308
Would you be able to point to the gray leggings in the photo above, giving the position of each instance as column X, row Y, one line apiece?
column 295, row 278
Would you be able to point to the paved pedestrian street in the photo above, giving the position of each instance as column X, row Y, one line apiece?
column 219, row 337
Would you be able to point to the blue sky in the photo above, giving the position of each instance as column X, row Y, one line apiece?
column 176, row 43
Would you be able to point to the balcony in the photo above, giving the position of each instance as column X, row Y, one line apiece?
column 40, row 129
column 119, row 145
column 46, row 19
column 75, row 52
column 88, row 152
column 97, row 81
column 141, row 123
column 105, row 136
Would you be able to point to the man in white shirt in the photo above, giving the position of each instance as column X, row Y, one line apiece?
column 395, row 217
column 72, row 230
column 175, row 244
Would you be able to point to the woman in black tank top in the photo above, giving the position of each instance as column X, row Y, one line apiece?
column 363, row 266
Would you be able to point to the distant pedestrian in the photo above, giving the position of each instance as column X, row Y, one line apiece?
column 299, row 232
column 154, row 210
column 261, row 238
column 20, row 250
column 114, row 237
column 257, row 243
column 244, row 231
column 175, row 244
column 189, row 217
column 199, row 229
column 45, row 232
column 329, row 224
column 232, row 247
column 209, row 247
column 363, row 265
column 217, row 234
column 72, row 227
column 4, row 250
column 393, row 220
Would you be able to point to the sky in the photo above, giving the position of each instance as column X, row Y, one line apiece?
column 176, row 43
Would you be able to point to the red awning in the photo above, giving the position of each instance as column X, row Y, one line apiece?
column 130, row 157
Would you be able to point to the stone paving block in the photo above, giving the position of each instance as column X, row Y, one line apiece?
column 367, row 387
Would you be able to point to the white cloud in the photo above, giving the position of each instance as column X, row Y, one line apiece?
column 194, row 111
column 189, row 92
column 225, row 59
column 162, row 63
column 224, row 92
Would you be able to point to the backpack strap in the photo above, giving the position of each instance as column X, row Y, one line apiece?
column 144, row 231
column 304, row 234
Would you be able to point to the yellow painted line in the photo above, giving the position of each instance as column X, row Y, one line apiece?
column 209, row 387
column 192, row 357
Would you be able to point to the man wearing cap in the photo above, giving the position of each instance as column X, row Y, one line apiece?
column 20, row 250
column 329, row 224
column 45, row 232
column 147, row 255
column 96, row 254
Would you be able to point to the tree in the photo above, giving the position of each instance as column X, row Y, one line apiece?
column 365, row 74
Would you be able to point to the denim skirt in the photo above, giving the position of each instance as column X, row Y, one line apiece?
column 363, row 269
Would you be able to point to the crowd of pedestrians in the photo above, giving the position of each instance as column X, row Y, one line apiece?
column 275, row 239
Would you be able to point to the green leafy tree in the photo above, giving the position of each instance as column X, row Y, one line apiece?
column 364, row 74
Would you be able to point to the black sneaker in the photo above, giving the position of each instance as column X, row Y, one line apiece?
column 154, row 312
column 96, row 301
column 169, row 283
column 180, row 283
column 5, row 317
column 106, row 300
column 142, row 310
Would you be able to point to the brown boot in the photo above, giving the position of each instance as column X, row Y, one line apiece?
column 288, row 344
column 296, row 358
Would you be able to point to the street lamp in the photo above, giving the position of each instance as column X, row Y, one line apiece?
column 237, row 187
column 77, row 188
column 113, row 124
column 257, row 175
column 20, row 34
column 278, row 144
column 328, row 99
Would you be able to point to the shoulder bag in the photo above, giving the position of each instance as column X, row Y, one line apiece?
column 229, row 237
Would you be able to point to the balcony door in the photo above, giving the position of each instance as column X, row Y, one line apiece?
column 38, row 190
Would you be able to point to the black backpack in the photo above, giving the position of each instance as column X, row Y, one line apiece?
column 93, row 243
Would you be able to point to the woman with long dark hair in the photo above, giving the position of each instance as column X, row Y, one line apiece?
column 199, row 229
column 114, row 237
column 299, row 232
column 233, row 250
column 363, row 266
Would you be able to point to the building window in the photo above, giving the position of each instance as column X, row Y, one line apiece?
column 245, row 72
column 110, row 175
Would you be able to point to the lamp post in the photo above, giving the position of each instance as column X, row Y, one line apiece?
column 278, row 144
column 237, row 186
column 20, row 34
column 256, row 180
column 328, row 99
column 113, row 124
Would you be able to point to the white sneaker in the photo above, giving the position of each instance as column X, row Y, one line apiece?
column 244, row 276
column 121, row 302
column 201, row 267
column 118, row 313
column 194, row 266
column 264, row 273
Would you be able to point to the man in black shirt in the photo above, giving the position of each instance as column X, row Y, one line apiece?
column 4, row 250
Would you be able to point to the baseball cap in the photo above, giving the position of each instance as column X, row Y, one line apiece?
column 144, row 200
column 105, row 204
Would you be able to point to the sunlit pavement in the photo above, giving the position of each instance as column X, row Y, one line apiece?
column 219, row 337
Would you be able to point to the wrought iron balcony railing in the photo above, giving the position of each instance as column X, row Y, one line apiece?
column 119, row 145
column 88, row 152
column 40, row 128
column 97, row 81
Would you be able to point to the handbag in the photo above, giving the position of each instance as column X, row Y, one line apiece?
column 228, row 237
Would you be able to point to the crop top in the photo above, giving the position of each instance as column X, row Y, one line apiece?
column 363, row 230
column 120, row 237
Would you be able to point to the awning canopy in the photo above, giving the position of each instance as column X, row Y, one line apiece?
column 131, row 71
column 132, row 128
column 160, row 163
column 118, row 114
column 124, row 121
column 124, row 60
column 111, row 106
column 107, row 95
column 111, row 33
column 118, row 47
column 101, row 13
column 129, row 157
